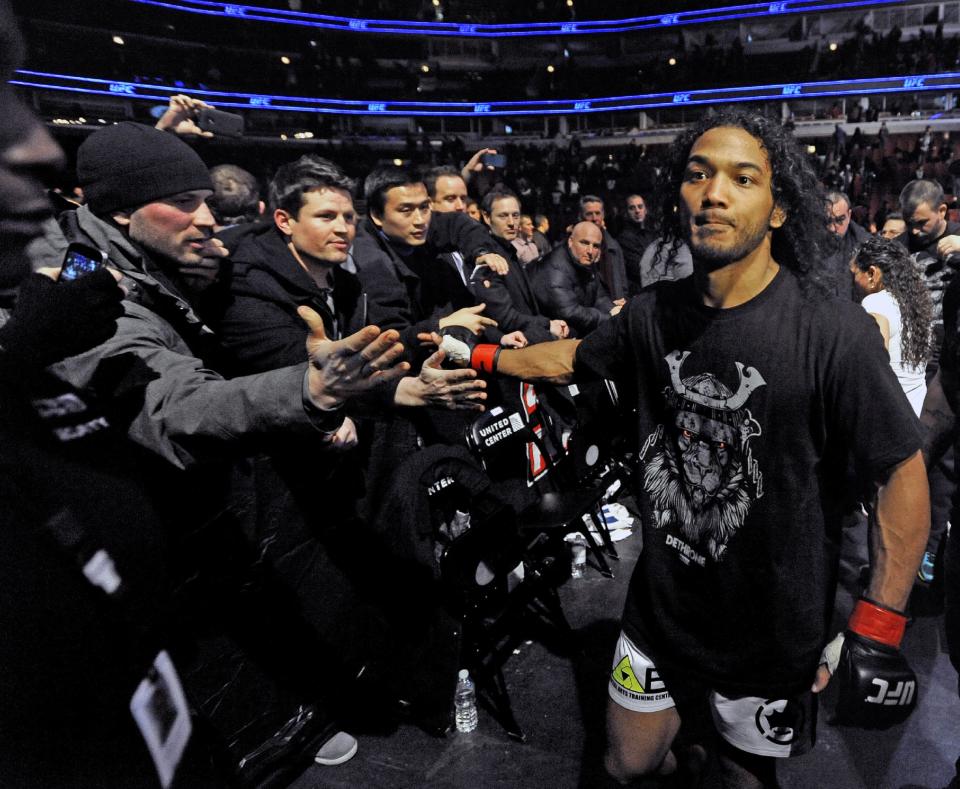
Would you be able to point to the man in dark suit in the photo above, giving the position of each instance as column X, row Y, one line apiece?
column 509, row 297
column 610, row 267
column 634, row 239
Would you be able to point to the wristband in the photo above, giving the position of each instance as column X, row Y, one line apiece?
column 877, row 623
column 484, row 358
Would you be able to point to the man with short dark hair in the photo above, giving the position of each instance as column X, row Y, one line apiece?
column 510, row 297
column 934, row 243
column 527, row 251
column 611, row 267
column 448, row 194
column 396, row 252
column 447, row 189
column 568, row 285
column 541, row 226
column 893, row 225
column 634, row 238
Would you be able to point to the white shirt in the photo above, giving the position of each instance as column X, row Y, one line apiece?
column 911, row 378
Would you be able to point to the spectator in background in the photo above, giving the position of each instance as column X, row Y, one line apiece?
column 896, row 297
column 540, row 238
column 568, row 284
column 634, row 239
column 473, row 209
column 236, row 196
column 510, row 298
column 847, row 237
column 610, row 267
column 447, row 189
column 527, row 251
column 934, row 243
column 893, row 225
column 448, row 195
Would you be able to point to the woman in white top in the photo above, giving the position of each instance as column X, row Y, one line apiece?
column 896, row 296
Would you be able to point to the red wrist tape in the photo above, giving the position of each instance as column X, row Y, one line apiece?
column 484, row 358
column 877, row 623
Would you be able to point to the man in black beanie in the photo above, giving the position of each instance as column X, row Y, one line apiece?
column 153, row 187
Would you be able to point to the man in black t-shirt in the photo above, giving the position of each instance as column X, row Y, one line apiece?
column 752, row 388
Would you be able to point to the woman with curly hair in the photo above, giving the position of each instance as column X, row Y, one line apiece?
column 895, row 294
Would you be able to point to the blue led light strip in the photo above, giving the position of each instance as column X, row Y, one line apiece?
column 403, row 27
column 643, row 101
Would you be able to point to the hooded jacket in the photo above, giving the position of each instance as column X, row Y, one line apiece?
column 259, row 326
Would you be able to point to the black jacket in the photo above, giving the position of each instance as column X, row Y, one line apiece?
column 633, row 240
column 410, row 293
column 572, row 291
column 510, row 298
column 259, row 326
column 611, row 267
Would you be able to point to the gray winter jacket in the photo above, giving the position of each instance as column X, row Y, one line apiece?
column 190, row 414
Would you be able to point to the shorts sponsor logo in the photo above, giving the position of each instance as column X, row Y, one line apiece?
column 780, row 720
column 629, row 684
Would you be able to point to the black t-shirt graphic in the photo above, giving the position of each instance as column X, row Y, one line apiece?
column 746, row 419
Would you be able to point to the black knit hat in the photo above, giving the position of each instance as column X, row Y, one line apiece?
column 128, row 165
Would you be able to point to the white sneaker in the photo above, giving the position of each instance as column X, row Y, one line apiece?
column 340, row 748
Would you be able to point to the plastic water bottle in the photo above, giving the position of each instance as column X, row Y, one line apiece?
column 465, row 702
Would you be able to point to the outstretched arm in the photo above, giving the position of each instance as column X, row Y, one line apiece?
column 548, row 362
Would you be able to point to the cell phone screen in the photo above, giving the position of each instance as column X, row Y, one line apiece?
column 494, row 160
column 76, row 263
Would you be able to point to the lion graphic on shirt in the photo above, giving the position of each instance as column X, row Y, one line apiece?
column 697, row 477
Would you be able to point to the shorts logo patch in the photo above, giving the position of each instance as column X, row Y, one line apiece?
column 623, row 675
column 780, row 720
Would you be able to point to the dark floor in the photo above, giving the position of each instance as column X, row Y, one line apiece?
column 559, row 702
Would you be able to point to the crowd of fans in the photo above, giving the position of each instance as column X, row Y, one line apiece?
column 271, row 386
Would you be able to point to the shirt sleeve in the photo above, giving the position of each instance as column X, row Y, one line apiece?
column 606, row 351
column 867, row 402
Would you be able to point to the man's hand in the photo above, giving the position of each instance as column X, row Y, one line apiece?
column 457, row 390
column 559, row 329
column 948, row 245
column 877, row 686
column 180, row 117
column 344, row 439
column 468, row 317
column 496, row 263
column 474, row 165
column 615, row 310
column 202, row 273
column 341, row 369
column 55, row 320
column 514, row 339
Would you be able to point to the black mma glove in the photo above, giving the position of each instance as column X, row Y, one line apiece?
column 54, row 320
column 461, row 348
column 877, row 689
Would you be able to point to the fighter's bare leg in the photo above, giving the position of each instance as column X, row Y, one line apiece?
column 741, row 770
column 638, row 743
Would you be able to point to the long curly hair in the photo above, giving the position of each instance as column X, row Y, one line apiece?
column 904, row 282
column 801, row 243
